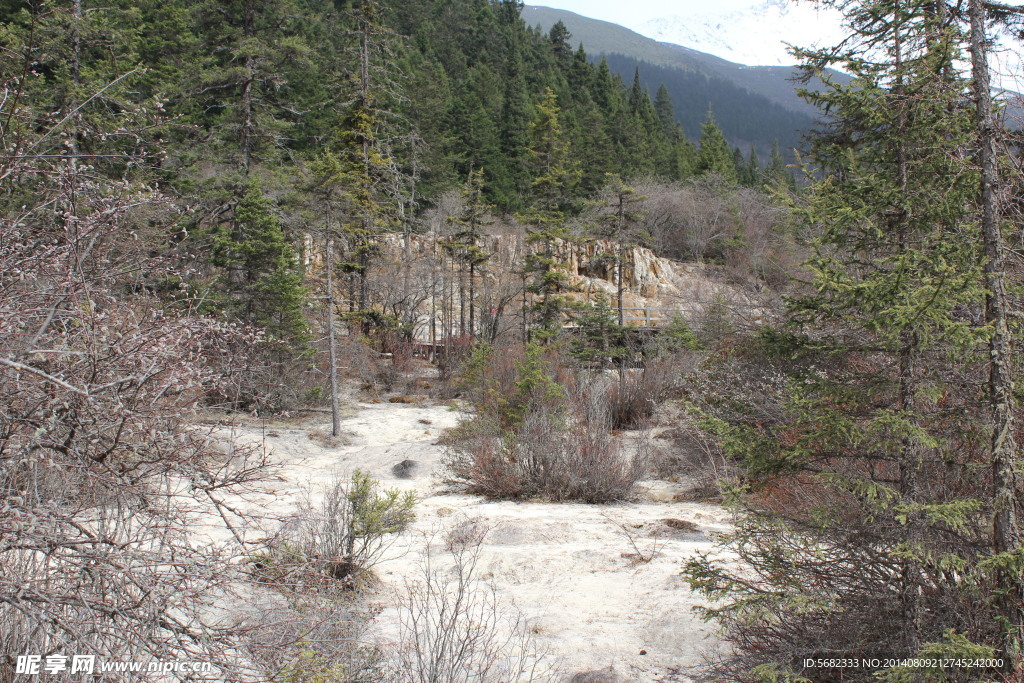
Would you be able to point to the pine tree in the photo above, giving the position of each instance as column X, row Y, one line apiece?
column 514, row 134
column 559, row 36
column 605, row 88
column 365, row 135
column 637, row 93
column 777, row 174
column 464, row 243
column 327, row 186
column 248, row 58
column 751, row 175
column 666, row 113
column 617, row 222
column 715, row 155
column 684, row 156
column 863, row 530
column 580, row 74
column 1004, row 458
column 646, row 150
column 739, row 164
column 478, row 138
column 261, row 269
column 428, row 105
column 591, row 145
column 554, row 178
column 598, row 338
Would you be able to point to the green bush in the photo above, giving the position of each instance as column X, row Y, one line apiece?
column 342, row 537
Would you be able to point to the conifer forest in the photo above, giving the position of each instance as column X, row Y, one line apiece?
column 346, row 341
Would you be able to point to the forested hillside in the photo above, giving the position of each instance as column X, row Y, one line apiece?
column 224, row 217
column 266, row 125
column 747, row 120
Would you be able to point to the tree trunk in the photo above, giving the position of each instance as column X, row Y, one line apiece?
column 410, row 312
column 910, row 590
column 76, row 46
column 332, row 341
column 434, row 268
column 367, row 222
column 245, row 133
column 621, row 316
column 472, row 298
column 1006, row 533
column 526, row 324
column 620, row 228
column 462, row 298
column 364, row 279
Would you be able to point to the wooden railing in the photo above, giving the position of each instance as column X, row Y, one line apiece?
column 650, row 317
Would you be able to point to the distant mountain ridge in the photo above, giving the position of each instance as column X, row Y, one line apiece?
column 754, row 105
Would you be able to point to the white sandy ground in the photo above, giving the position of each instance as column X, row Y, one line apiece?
column 569, row 569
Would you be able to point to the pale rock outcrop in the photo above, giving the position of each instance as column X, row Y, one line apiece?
column 655, row 288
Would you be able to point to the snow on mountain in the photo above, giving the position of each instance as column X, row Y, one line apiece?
column 753, row 34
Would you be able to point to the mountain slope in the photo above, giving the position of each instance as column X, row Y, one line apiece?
column 602, row 38
column 753, row 105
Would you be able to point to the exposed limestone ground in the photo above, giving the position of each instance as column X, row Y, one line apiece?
column 569, row 569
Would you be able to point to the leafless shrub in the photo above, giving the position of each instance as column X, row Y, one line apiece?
column 708, row 218
column 688, row 220
column 635, row 395
column 359, row 361
column 453, row 627
column 542, row 458
column 691, row 457
column 304, row 624
column 101, row 474
column 324, row 439
column 465, row 533
column 642, row 552
column 533, row 436
column 760, row 249
column 399, row 287
column 313, row 638
column 453, row 355
column 598, row 676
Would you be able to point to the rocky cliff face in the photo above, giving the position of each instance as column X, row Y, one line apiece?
column 649, row 281
column 654, row 287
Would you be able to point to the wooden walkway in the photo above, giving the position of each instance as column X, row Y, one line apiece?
column 648, row 319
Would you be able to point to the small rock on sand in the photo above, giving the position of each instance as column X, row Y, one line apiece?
column 404, row 469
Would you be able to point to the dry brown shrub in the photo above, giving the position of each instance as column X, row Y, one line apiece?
column 633, row 399
column 533, row 436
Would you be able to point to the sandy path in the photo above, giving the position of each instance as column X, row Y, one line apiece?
column 569, row 568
